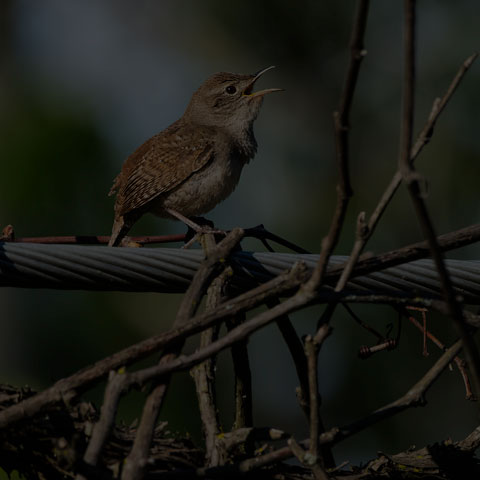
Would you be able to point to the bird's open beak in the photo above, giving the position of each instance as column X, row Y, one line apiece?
column 249, row 89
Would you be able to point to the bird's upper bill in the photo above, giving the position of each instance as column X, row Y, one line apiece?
column 249, row 89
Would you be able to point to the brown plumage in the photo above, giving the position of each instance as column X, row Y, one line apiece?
column 196, row 162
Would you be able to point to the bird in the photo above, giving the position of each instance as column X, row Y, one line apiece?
column 195, row 163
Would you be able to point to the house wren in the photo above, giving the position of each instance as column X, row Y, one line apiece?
column 196, row 162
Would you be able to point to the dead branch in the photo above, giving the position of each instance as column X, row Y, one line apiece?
column 414, row 397
column 232, row 454
column 341, row 123
column 458, row 361
column 423, row 139
column 204, row 377
column 136, row 462
column 413, row 182
column 70, row 387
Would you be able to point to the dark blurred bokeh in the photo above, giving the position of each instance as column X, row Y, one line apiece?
column 82, row 84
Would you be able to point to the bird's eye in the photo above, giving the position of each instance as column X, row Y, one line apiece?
column 231, row 89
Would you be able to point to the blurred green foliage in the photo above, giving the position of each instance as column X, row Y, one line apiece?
column 11, row 476
column 59, row 159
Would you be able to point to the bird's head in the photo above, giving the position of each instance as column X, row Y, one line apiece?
column 228, row 100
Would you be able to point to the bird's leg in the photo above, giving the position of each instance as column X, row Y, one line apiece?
column 202, row 221
column 196, row 227
column 199, row 229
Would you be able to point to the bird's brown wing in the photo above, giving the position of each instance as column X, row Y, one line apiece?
column 160, row 164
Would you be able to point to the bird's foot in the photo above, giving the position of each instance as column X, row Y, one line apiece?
column 128, row 242
column 194, row 236
column 197, row 226
column 203, row 226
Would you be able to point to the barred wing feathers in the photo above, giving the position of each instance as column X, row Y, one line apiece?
column 160, row 164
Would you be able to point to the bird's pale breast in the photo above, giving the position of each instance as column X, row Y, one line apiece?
column 202, row 191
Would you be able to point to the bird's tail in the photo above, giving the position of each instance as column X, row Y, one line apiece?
column 119, row 230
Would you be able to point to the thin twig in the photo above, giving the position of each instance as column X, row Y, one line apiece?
column 259, row 232
column 342, row 126
column 412, row 180
column 405, row 301
column 471, row 442
column 449, row 241
column 318, row 456
column 263, row 234
column 243, row 379
column 136, row 461
column 295, row 347
column 413, row 397
column 365, row 352
column 363, row 324
column 458, row 361
column 104, row 426
column 204, row 373
column 404, row 164
column 247, row 435
column 215, row 261
column 422, row 140
column 204, row 377
column 299, row 358
column 236, row 335
column 100, row 239
column 70, row 387
column 311, row 352
column 307, row 459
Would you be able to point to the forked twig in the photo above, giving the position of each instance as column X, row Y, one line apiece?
column 204, row 377
column 136, row 462
column 300, row 290
column 458, row 361
column 412, row 180
column 413, row 397
column 103, row 428
column 342, row 126
column 243, row 379
column 318, row 456
column 423, row 139
column 71, row 387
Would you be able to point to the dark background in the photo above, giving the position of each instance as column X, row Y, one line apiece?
column 82, row 84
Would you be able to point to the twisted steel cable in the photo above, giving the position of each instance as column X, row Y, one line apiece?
column 171, row 270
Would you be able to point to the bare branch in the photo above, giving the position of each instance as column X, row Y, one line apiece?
column 99, row 239
column 287, row 293
column 72, row 386
column 259, row 232
column 312, row 347
column 413, row 397
column 262, row 233
column 243, row 379
column 458, row 361
column 404, row 164
column 311, row 352
column 412, row 180
column 423, row 138
column 415, row 251
column 136, row 461
column 204, row 376
column 104, row 426
column 295, row 347
column 341, row 122
column 214, row 260
column 307, row 459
